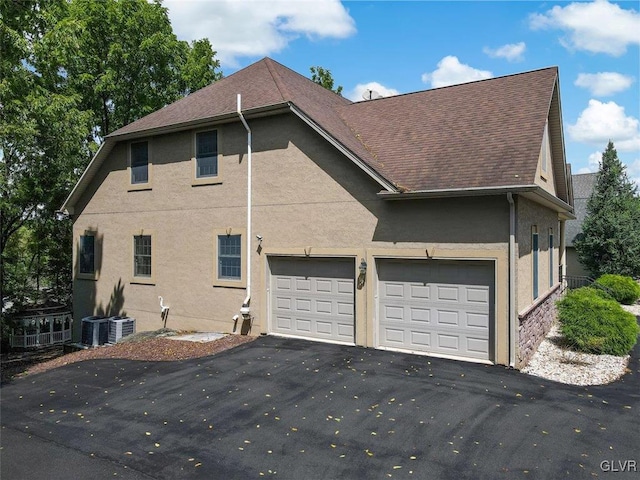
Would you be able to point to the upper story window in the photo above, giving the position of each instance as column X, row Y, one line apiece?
column 207, row 154
column 87, row 254
column 140, row 162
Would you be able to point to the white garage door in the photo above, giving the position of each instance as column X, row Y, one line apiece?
column 313, row 298
column 437, row 307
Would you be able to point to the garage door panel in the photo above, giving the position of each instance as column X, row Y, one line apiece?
column 321, row 293
column 345, row 309
column 441, row 307
column 477, row 295
column 422, row 315
column 448, row 342
column 447, row 293
column 303, row 325
column 479, row 321
column 420, row 339
column 419, row 292
column 478, row 345
column 284, row 323
column 323, row 307
column 394, row 336
column 345, row 287
column 447, row 318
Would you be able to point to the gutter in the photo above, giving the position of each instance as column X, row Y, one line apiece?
column 533, row 192
column 512, row 281
column 245, row 309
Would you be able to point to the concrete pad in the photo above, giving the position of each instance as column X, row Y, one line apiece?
column 201, row 337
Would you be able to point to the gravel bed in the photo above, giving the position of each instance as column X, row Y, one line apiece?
column 555, row 362
column 145, row 346
column 551, row 361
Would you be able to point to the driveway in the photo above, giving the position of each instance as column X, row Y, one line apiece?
column 293, row 409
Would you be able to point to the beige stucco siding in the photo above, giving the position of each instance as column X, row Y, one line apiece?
column 545, row 176
column 307, row 199
column 530, row 214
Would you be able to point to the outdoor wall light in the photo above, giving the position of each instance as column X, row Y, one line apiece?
column 363, row 267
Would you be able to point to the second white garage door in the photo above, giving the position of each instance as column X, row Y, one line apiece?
column 435, row 306
column 313, row 298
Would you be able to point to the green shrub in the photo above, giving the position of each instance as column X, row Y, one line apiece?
column 591, row 323
column 624, row 289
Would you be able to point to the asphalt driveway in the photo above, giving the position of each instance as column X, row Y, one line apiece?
column 295, row 409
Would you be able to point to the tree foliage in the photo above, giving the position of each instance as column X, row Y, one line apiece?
column 610, row 239
column 124, row 60
column 323, row 77
column 71, row 72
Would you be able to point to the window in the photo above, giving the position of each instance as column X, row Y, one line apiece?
column 139, row 162
column 142, row 256
column 86, row 254
column 534, row 247
column 229, row 257
column 551, row 268
column 207, row 154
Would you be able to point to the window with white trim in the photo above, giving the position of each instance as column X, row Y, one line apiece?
column 207, row 154
column 139, row 162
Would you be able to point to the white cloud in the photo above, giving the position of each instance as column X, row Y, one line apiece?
column 513, row 52
column 451, row 72
column 601, row 122
column 257, row 28
column 603, row 84
column 597, row 27
column 594, row 163
column 356, row 94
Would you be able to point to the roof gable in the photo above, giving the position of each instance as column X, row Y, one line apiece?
column 478, row 135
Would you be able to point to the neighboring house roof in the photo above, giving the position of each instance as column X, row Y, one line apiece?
column 476, row 136
column 583, row 185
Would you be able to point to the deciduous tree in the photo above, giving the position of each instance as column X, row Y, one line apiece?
column 323, row 77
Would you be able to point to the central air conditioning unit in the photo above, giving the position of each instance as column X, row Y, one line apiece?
column 121, row 327
column 95, row 331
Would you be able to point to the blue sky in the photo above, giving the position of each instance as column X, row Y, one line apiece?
column 399, row 47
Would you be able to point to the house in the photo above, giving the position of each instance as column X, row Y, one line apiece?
column 583, row 185
column 431, row 222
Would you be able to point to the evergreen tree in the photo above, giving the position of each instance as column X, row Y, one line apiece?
column 610, row 239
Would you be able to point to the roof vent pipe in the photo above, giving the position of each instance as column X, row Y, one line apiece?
column 245, row 311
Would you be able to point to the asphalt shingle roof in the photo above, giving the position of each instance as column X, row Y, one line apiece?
column 474, row 135
column 583, row 185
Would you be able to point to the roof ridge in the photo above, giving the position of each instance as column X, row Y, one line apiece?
column 286, row 96
column 418, row 92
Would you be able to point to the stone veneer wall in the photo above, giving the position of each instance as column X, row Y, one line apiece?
column 534, row 324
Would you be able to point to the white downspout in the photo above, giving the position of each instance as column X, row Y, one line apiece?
column 512, row 277
column 245, row 310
